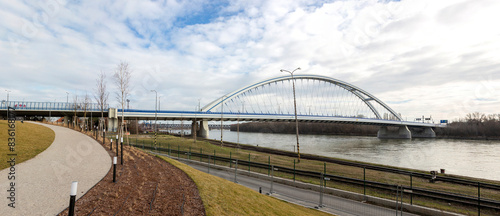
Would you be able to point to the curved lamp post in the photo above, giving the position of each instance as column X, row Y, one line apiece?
column 295, row 109
column 222, row 120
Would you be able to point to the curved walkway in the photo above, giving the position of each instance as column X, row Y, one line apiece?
column 43, row 183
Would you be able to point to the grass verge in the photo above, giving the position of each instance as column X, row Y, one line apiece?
column 31, row 140
column 222, row 197
column 166, row 141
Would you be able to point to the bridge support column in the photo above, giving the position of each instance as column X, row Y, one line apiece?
column 402, row 133
column 112, row 120
column 194, row 128
column 66, row 120
column 203, row 132
column 426, row 132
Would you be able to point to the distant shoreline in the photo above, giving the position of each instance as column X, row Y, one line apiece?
column 334, row 129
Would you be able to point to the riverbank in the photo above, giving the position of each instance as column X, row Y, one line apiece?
column 464, row 130
column 332, row 166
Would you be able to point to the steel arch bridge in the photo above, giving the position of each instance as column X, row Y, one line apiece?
column 319, row 99
column 316, row 96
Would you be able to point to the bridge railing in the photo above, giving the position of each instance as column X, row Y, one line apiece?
column 27, row 105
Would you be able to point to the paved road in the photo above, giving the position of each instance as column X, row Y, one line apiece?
column 43, row 183
column 332, row 204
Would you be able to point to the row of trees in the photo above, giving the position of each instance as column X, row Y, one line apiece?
column 308, row 128
column 474, row 125
column 121, row 78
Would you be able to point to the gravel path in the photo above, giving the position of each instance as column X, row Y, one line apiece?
column 43, row 183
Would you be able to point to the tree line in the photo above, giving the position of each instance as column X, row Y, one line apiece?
column 472, row 126
column 308, row 128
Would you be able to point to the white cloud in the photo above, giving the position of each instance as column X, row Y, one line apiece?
column 427, row 53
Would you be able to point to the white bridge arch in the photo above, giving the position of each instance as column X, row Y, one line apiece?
column 319, row 99
column 340, row 90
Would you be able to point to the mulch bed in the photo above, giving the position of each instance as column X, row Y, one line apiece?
column 145, row 185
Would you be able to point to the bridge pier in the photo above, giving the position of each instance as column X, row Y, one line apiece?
column 112, row 120
column 66, row 120
column 203, row 132
column 194, row 128
column 425, row 132
column 402, row 133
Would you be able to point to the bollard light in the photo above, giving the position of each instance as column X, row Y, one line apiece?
column 72, row 198
column 114, row 168
column 74, row 187
column 111, row 145
column 121, row 161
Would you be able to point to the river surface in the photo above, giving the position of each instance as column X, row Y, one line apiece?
column 480, row 159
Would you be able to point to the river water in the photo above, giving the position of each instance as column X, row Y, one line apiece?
column 480, row 159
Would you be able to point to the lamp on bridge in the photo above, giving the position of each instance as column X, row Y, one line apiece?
column 295, row 109
column 7, row 96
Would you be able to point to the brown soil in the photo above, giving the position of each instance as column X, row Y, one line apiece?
column 145, row 185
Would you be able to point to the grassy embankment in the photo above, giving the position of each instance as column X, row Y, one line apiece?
column 205, row 147
column 222, row 197
column 31, row 140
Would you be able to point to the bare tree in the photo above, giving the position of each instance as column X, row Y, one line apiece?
column 101, row 96
column 85, row 106
column 75, row 108
column 122, row 80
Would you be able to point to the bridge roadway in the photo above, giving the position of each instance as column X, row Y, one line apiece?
column 406, row 129
column 217, row 116
column 46, row 109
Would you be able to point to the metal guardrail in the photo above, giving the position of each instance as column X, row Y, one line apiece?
column 370, row 167
column 477, row 202
column 27, row 105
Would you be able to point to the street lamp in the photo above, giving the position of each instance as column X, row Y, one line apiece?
column 67, row 95
column 197, row 109
column 222, row 120
column 295, row 109
column 156, row 111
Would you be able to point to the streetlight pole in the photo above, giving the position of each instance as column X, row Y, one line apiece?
column 222, row 120
column 197, row 109
column 295, row 109
column 156, row 111
column 67, row 96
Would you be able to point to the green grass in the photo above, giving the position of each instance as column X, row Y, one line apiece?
column 222, row 197
column 31, row 140
column 205, row 147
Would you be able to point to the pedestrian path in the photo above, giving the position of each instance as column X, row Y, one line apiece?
column 42, row 184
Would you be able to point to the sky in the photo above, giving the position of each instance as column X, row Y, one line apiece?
column 431, row 58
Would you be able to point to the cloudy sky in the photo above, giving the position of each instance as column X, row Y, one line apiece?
column 439, row 58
